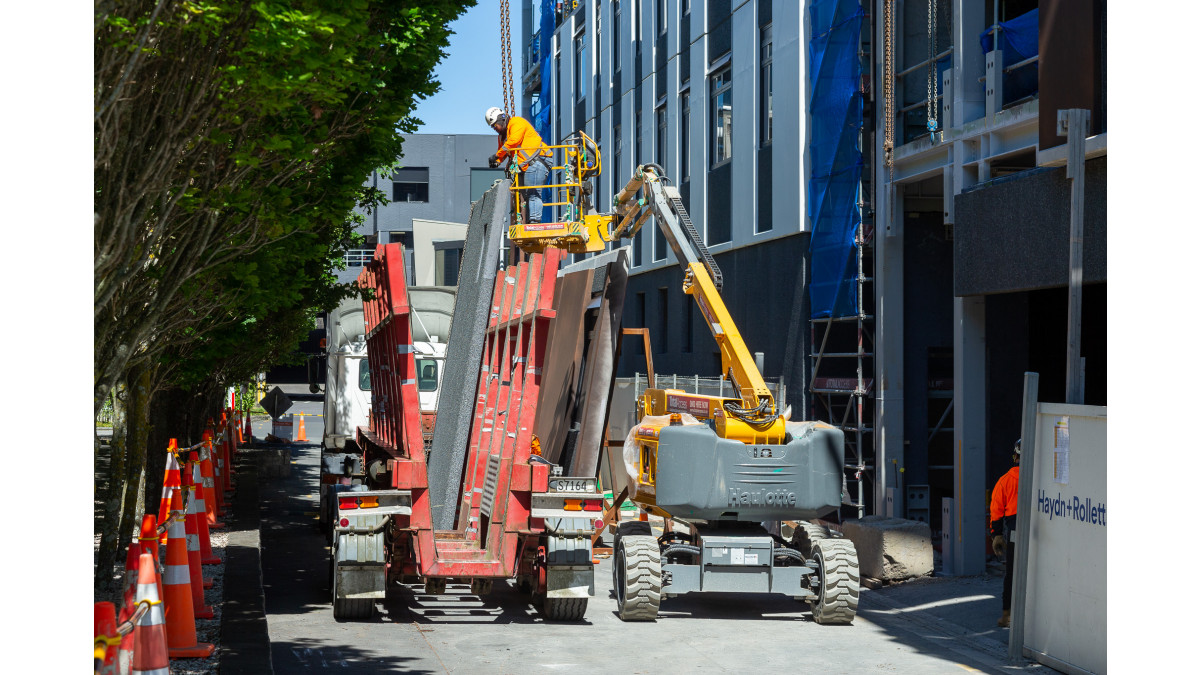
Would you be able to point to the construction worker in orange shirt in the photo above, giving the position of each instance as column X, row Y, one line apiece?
column 520, row 143
column 1004, row 525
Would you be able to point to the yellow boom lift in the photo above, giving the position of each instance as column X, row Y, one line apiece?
column 722, row 466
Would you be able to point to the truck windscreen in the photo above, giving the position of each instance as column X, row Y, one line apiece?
column 427, row 375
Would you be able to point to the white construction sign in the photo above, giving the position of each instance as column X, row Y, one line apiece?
column 1066, row 621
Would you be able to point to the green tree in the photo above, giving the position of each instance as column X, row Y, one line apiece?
column 231, row 144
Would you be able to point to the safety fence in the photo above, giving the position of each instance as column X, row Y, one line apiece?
column 164, row 581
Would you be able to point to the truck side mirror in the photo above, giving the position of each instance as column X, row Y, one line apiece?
column 316, row 372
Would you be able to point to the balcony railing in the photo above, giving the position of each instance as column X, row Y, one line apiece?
column 358, row 257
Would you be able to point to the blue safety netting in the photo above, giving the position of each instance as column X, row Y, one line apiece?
column 835, row 106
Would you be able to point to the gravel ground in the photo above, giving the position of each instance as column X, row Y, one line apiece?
column 207, row 630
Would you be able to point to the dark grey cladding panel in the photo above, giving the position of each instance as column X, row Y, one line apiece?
column 464, row 351
column 1013, row 234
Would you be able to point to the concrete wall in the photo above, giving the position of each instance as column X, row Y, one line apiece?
column 425, row 232
column 1014, row 235
column 449, row 159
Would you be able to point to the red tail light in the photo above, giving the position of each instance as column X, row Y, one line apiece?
column 592, row 505
column 347, row 503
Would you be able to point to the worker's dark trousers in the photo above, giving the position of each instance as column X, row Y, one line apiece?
column 1010, row 557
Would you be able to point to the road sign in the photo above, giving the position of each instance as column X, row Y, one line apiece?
column 276, row 403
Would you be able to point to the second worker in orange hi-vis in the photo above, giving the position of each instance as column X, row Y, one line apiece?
column 1004, row 525
column 521, row 142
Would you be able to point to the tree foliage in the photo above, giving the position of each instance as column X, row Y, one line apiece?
column 232, row 140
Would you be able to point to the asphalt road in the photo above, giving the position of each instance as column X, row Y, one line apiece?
column 503, row 633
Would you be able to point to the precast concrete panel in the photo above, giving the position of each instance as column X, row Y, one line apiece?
column 1066, row 599
column 477, row 275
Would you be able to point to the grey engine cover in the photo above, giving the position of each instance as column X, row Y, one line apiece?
column 703, row 477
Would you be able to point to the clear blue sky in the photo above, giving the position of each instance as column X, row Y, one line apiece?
column 470, row 72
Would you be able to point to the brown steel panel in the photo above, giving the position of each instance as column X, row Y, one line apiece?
column 1069, row 64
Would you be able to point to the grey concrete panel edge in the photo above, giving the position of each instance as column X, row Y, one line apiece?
column 477, row 275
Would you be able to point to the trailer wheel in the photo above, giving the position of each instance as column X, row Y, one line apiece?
column 627, row 529
column 346, row 608
column 564, row 609
column 638, row 572
column 834, row 581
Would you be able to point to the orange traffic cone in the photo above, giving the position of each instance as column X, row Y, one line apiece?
column 107, row 639
column 132, row 560
column 195, row 514
column 213, row 479
column 149, row 541
column 171, row 484
column 206, row 480
column 206, row 553
column 177, row 589
column 195, row 569
column 300, row 432
column 247, row 432
column 149, row 636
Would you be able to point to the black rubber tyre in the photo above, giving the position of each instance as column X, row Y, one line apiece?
column 835, row 582
column 346, row 608
column 806, row 535
column 564, row 609
column 627, row 529
column 638, row 582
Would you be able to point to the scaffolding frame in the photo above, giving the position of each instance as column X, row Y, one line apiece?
column 841, row 400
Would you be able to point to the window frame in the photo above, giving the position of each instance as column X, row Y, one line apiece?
column 423, row 184
column 580, row 64
column 766, row 87
column 685, row 132
column 720, row 83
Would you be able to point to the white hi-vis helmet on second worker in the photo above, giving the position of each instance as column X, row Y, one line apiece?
column 493, row 115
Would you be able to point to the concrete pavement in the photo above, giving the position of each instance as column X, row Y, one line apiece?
column 932, row 625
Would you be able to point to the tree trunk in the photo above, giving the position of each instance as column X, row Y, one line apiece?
column 137, row 419
column 112, row 496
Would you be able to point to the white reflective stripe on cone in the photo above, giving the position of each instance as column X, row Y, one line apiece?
column 193, row 542
column 154, row 617
column 177, row 574
column 176, row 529
column 156, row 671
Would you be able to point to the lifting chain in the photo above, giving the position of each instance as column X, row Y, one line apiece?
column 506, row 60
column 889, row 88
column 931, row 123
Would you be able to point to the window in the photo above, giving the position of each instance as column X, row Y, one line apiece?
column 364, row 375
column 616, row 165
column 580, row 65
column 685, row 164
column 722, row 116
column 427, row 375
column 765, row 89
column 688, row 327
column 616, row 36
column 482, row 179
column 637, row 139
column 660, row 16
column 411, row 185
column 685, row 6
column 447, row 258
column 659, row 251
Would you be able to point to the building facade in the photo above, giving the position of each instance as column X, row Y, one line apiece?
column 438, row 179
column 961, row 209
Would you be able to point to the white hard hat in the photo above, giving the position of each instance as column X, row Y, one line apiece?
column 492, row 115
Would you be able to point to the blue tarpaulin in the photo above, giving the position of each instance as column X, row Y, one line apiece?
column 1019, row 41
column 1018, row 37
column 835, row 104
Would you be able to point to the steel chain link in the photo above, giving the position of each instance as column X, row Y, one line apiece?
column 506, row 59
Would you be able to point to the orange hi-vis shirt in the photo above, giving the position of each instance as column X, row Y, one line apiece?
column 1004, row 496
column 521, row 134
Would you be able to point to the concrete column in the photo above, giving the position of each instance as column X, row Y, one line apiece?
column 889, row 345
column 969, row 434
column 968, row 92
